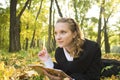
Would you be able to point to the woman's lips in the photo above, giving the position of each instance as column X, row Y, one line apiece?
column 60, row 42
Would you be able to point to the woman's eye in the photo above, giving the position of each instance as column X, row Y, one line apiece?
column 63, row 32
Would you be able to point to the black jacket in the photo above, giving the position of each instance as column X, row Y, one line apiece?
column 85, row 67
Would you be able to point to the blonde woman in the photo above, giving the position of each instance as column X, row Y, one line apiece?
column 78, row 57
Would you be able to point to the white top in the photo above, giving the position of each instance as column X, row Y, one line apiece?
column 49, row 63
column 67, row 55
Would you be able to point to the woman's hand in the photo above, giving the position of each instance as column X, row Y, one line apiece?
column 43, row 55
column 67, row 79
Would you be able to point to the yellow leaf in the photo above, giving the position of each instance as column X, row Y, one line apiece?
column 2, row 66
column 113, row 77
column 31, row 73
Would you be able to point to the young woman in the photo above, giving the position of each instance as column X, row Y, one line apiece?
column 78, row 57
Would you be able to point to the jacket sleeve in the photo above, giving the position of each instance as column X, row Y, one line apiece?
column 94, row 70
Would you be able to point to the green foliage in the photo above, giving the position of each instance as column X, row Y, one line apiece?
column 94, row 19
column 41, row 24
column 29, row 22
column 41, row 77
column 4, row 28
column 106, row 68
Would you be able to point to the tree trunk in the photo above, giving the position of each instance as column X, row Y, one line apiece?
column 59, row 11
column 33, row 41
column 106, row 39
column 99, row 25
column 0, row 38
column 50, row 28
column 76, row 15
column 26, row 39
column 27, row 27
column 39, row 10
column 53, row 41
column 14, row 44
column 14, row 28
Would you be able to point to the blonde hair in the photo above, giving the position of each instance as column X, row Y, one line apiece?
column 78, row 41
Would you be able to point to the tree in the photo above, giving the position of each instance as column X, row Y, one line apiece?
column 76, row 12
column 14, row 43
column 59, row 11
column 50, row 27
column 81, row 7
column 100, row 24
column 32, row 41
column 105, row 28
column 27, row 27
column 107, row 9
column 51, row 40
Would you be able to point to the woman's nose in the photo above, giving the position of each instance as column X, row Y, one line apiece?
column 58, row 37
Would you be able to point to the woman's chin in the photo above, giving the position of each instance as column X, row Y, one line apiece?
column 61, row 46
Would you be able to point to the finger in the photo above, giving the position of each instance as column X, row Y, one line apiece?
column 41, row 54
column 66, row 79
column 45, row 51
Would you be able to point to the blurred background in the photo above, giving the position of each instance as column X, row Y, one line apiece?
column 26, row 24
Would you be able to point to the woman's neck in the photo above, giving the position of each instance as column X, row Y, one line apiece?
column 68, row 49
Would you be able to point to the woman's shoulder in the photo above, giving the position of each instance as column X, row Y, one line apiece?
column 92, row 48
column 59, row 50
column 59, row 53
column 90, row 43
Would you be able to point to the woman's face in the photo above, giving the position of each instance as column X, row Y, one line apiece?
column 63, row 35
